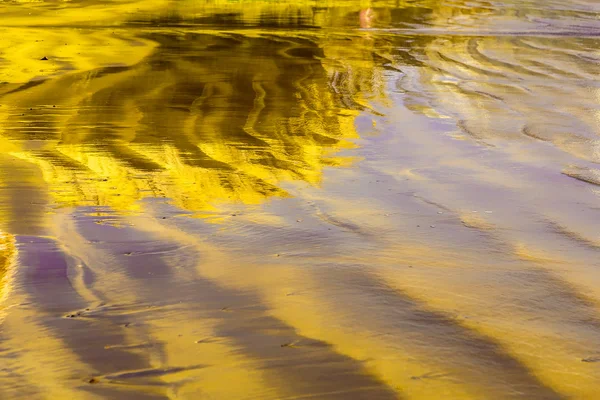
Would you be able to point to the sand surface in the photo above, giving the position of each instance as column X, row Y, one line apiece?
column 300, row 199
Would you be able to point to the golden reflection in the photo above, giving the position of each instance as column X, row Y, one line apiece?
column 46, row 13
column 431, row 269
column 33, row 54
column 205, row 119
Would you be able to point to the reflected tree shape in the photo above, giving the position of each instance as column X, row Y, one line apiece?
column 205, row 119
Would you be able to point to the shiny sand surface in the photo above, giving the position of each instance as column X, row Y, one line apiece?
column 300, row 200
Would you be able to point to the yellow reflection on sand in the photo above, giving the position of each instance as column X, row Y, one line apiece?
column 192, row 123
column 393, row 287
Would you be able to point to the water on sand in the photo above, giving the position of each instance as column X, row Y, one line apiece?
column 300, row 199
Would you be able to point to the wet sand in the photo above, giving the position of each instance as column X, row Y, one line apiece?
column 300, row 200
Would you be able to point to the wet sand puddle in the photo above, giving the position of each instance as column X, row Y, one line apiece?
column 299, row 200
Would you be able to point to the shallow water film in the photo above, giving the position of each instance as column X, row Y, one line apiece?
column 353, row 199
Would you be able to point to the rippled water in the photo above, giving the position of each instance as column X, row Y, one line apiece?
column 300, row 199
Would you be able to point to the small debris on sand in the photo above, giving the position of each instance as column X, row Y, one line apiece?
column 591, row 360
